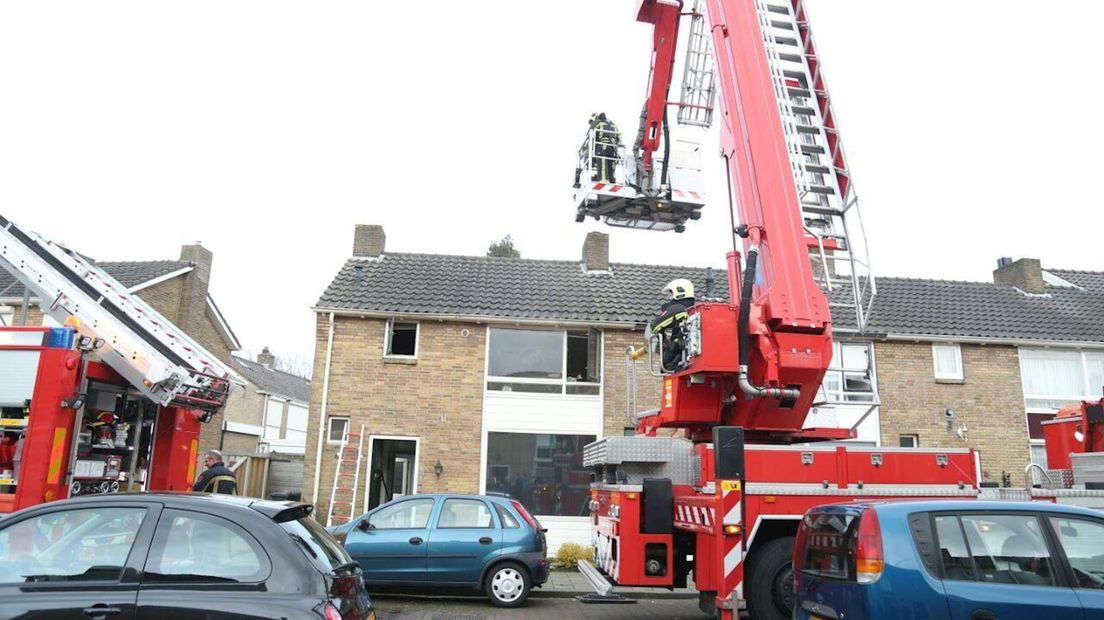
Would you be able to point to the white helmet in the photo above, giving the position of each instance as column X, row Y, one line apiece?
column 680, row 288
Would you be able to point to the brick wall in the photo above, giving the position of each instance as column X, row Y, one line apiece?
column 614, row 373
column 439, row 399
column 989, row 402
column 245, row 405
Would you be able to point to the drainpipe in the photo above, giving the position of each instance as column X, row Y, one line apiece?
column 322, row 414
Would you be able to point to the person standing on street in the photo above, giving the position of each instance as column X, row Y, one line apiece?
column 217, row 478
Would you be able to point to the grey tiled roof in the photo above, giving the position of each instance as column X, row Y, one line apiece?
column 274, row 382
column 507, row 287
column 128, row 273
column 559, row 290
column 1088, row 280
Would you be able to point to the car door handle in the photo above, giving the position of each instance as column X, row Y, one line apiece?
column 486, row 540
column 983, row 614
column 98, row 612
column 415, row 541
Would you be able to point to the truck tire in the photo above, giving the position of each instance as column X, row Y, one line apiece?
column 769, row 584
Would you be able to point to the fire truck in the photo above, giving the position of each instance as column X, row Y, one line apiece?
column 111, row 400
column 718, row 476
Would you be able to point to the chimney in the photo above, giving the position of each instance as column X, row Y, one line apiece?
column 193, row 294
column 266, row 358
column 1025, row 274
column 596, row 252
column 368, row 240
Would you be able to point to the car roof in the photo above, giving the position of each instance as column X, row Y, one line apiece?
column 895, row 507
column 271, row 509
column 493, row 498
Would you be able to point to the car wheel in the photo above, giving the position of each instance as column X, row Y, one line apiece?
column 769, row 588
column 507, row 585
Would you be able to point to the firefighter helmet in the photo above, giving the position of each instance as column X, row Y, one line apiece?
column 680, row 288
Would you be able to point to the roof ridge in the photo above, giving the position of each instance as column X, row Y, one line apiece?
column 539, row 260
column 271, row 369
column 1081, row 271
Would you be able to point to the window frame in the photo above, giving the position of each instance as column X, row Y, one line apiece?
column 429, row 519
column 915, row 437
column 839, row 371
column 563, row 383
column 389, row 331
column 958, row 373
column 130, row 574
column 329, row 430
column 1066, row 568
column 1053, row 546
column 539, row 463
column 1089, row 392
column 503, row 514
column 160, row 538
column 440, row 513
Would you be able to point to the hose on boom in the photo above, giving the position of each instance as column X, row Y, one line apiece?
column 745, row 336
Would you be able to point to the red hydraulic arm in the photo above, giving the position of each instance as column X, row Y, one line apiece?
column 664, row 15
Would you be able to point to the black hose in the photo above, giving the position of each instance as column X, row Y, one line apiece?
column 666, row 148
column 745, row 305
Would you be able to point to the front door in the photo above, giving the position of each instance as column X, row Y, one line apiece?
column 392, row 468
column 463, row 541
column 390, row 543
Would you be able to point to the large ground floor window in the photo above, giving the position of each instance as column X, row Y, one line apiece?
column 543, row 472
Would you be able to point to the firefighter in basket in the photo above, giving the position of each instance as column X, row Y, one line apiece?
column 606, row 141
column 669, row 322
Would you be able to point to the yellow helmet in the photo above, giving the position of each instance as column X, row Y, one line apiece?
column 680, row 288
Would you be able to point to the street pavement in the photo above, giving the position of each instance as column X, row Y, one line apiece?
column 439, row 608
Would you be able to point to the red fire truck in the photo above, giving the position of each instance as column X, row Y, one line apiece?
column 112, row 400
column 718, row 476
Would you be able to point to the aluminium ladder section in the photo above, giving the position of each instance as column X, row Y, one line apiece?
column 699, row 80
column 828, row 201
column 351, row 502
column 149, row 351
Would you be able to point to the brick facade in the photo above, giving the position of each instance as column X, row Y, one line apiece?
column 614, row 371
column 989, row 402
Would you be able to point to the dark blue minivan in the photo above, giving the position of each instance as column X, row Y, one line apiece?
column 949, row 559
column 435, row 542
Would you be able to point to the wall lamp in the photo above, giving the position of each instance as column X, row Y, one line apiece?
column 438, row 469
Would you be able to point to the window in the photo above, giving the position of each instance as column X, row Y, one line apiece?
column 411, row 514
column 464, row 513
column 850, row 375
column 947, row 359
column 195, row 547
column 296, row 423
column 1083, row 542
column 320, row 548
column 544, row 361
column 507, row 519
column 339, row 429
column 546, row 472
column 1008, row 548
column 1053, row 378
column 910, row 441
column 402, row 339
column 274, row 418
column 1039, row 457
column 69, row 545
column 957, row 564
column 827, row 544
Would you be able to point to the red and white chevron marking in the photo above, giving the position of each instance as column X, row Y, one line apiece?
column 680, row 194
column 697, row 515
column 731, row 504
column 607, row 187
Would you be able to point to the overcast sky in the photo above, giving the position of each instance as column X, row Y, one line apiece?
column 267, row 129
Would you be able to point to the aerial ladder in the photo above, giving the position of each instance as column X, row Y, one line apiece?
column 110, row 338
column 716, row 478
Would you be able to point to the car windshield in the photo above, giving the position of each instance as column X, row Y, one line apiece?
column 318, row 545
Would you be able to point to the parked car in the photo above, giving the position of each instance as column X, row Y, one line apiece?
column 947, row 559
column 175, row 557
column 427, row 542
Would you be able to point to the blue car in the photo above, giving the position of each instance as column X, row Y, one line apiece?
column 435, row 542
column 947, row 559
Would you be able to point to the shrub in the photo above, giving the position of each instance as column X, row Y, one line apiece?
column 569, row 554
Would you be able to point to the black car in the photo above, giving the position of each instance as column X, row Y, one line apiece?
column 175, row 557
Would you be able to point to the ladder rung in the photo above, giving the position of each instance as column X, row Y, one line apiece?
column 820, row 210
column 817, row 168
column 782, row 25
column 808, row 129
column 343, row 502
column 798, row 92
column 349, row 461
column 796, row 58
column 803, row 110
column 781, row 10
column 821, row 189
column 786, row 41
column 812, row 149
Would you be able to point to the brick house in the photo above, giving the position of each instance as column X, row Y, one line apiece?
column 178, row 289
column 273, row 405
column 500, row 370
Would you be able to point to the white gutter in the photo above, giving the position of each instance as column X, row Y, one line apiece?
column 1013, row 342
column 322, row 414
column 470, row 318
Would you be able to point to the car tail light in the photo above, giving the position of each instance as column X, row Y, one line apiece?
column 799, row 547
column 525, row 515
column 344, row 587
column 869, row 558
column 331, row 613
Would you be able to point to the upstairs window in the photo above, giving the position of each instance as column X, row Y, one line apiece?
column 947, row 359
column 544, row 361
column 402, row 339
column 850, row 377
column 1053, row 378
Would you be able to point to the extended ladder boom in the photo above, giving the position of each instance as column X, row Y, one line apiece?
column 130, row 336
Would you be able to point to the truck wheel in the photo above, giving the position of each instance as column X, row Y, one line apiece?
column 769, row 585
column 507, row 585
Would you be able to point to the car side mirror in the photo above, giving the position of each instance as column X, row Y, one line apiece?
column 363, row 525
